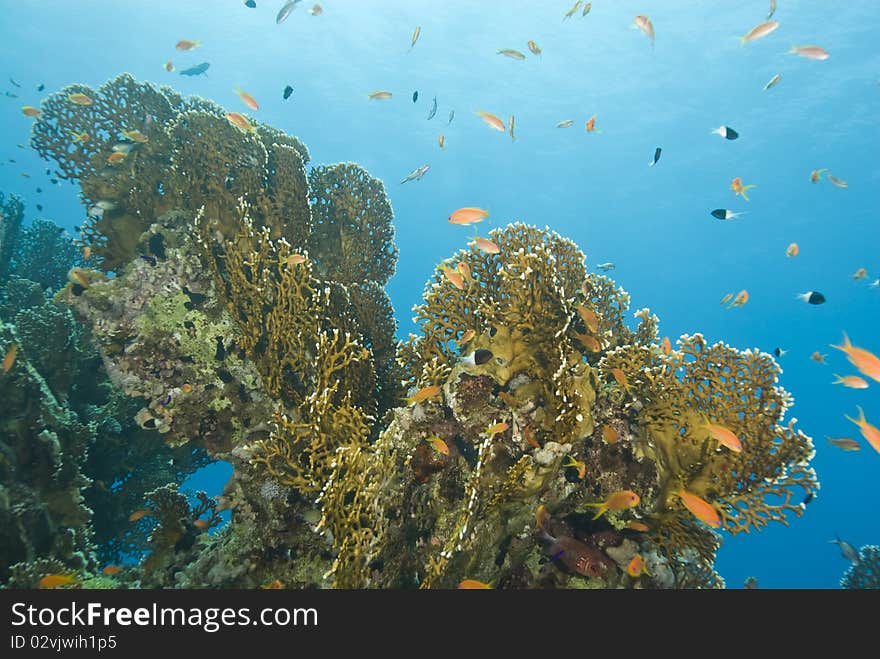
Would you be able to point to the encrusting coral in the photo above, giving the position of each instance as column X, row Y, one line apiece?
column 241, row 300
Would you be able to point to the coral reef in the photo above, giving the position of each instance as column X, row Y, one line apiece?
column 864, row 574
column 237, row 304
column 11, row 217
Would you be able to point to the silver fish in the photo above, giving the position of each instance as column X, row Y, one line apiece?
column 849, row 552
column 433, row 109
column 773, row 81
column 288, row 7
column 605, row 267
column 416, row 174
column 451, row 116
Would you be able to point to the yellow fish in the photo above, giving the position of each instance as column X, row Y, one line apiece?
column 423, row 394
column 617, row 502
column 439, row 445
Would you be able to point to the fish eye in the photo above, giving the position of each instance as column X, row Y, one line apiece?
column 493, row 331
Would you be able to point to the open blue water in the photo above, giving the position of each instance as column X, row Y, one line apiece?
column 597, row 189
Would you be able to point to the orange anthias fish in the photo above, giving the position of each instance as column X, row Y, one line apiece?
column 810, row 52
column 644, row 24
column 844, row 443
column 467, row 336
column 473, row 584
column 851, row 381
column 380, row 95
column 186, row 388
column 738, row 188
column 138, row 514
column 439, row 445
column 116, row 157
column 493, row 121
column 590, row 343
column 590, row 318
column 9, row 358
column 701, row 509
column 666, row 345
column 295, row 259
column 454, row 277
column 861, row 273
column 30, row 111
column 622, row 500
column 819, row 357
column 441, row 141
column 111, row 570
column 637, row 567
column 541, row 517
column 792, row 250
column 247, row 99
column 202, row 524
column 169, row 66
column 56, row 580
column 620, row 377
column 741, row 298
column 837, row 182
column 724, row 436
column 610, row 435
column 275, row 584
column 530, row 438
column 759, row 31
column 185, row 44
column 869, row 432
column 497, row 428
column 468, row 215
column 135, row 136
column 486, row 245
column 637, row 526
column 580, row 465
column 240, row 121
column 79, row 99
column 591, row 125
column 867, row 362
column 464, row 270
column 536, row 50
column 816, row 174
column 423, row 394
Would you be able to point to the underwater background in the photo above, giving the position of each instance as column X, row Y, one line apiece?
column 652, row 223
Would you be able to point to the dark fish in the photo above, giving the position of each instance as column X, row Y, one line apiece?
column 287, row 92
column 14, row 83
column 251, row 4
column 39, row 190
column 39, row 207
column 149, row 259
column 779, row 352
column 11, row 95
column 726, row 132
column 809, row 498
column 812, row 297
column 48, row 171
column 415, row 96
column 451, row 115
column 849, row 552
column 54, row 181
column 477, row 358
column 724, row 214
column 433, row 109
column 751, row 584
column 657, row 153
column 198, row 69
column 41, row 87
column 284, row 12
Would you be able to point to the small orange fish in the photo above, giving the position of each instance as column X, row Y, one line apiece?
column 111, row 570
column 666, row 345
column 9, row 358
column 701, row 509
column 486, row 245
column 844, row 443
column 202, row 524
column 816, row 174
column 536, row 50
column 468, row 215
column 617, row 502
column 724, row 436
column 591, row 124
column 819, row 357
column 507, row 398
column 294, row 259
column 79, row 277
column 590, row 318
column 644, row 24
column 423, row 394
column 135, row 136
column 31, row 111
column 380, row 95
column 240, row 121
column 467, row 336
column 867, row 362
column 792, row 250
column 741, row 298
column 869, row 432
column 837, row 182
column 610, row 435
column 861, row 273
column 759, row 31
column 541, row 516
column 138, row 514
column 56, row 580
column 247, row 99
column 473, row 584
column 454, row 277
column 590, row 343
column 275, row 584
column 87, row 252
column 637, row 567
column 169, row 66
column 186, row 388
column 738, row 188
column 580, row 465
column 810, row 52
column 439, row 445
column 637, row 526
column 851, row 381
column 80, row 99
column 116, row 157
column 464, row 269
column 185, row 44
column 441, row 141
column 493, row 121
column 530, row 438
column 497, row 428
column 620, row 377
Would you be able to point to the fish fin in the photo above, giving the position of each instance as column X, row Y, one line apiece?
column 839, row 379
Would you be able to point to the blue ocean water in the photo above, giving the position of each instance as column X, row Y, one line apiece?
column 653, row 223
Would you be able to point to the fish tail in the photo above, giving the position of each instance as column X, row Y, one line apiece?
column 839, row 379
column 846, row 344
